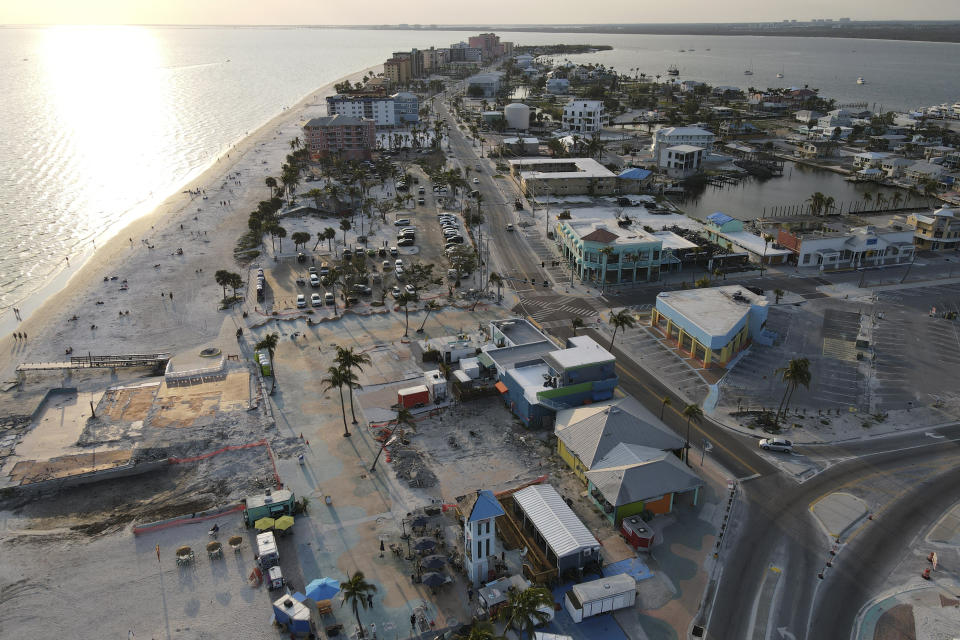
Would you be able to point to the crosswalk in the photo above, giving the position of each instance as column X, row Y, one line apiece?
column 556, row 308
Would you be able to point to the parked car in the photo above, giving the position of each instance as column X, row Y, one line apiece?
column 421, row 190
column 324, row 268
column 314, row 280
column 398, row 263
column 362, row 289
column 510, row 227
column 315, row 300
column 395, row 292
column 393, row 251
column 399, row 273
column 776, row 444
column 387, row 266
column 455, row 239
column 410, row 289
column 347, row 254
column 312, row 269
column 421, row 201
column 406, row 242
column 476, row 181
column 401, row 222
column 328, row 298
column 301, row 301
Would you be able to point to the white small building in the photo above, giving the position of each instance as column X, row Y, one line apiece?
column 681, row 160
column 480, row 512
column 523, row 60
column 487, row 83
column 869, row 159
column 600, row 596
column 895, row 166
column 668, row 137
column 584, row 116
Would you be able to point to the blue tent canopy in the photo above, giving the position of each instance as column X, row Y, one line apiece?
column 634, row 173
column 322, row 589
column 719, row 218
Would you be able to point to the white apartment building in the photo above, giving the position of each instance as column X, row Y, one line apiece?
column 668, row 137
column 398, row 110
column 682, row 160
column 584, row 116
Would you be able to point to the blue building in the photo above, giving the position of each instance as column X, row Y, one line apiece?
column 536, row 378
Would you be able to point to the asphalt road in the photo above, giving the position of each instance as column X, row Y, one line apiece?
column 510, row 253
column 773, row 527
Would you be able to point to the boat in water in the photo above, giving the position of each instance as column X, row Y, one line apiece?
column 860, row 80
column 673, row 70
column 748, row 72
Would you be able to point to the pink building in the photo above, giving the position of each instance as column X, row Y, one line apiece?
column 350, row 137
column 488, row 43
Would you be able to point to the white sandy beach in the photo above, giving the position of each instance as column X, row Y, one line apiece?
column 206, row 232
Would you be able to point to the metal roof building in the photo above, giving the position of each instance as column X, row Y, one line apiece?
column 559, row 532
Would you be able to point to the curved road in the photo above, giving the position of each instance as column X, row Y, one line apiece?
column 773, row 526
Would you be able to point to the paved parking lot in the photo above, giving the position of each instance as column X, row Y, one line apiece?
column 654, row 355
column 916, row 355
column 836, row 383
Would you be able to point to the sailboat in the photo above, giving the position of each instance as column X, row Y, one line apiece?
column 860, row 80
column 780, row 75
column 749, row 71
column 673, row 70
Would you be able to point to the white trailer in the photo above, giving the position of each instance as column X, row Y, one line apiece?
column 600, row 596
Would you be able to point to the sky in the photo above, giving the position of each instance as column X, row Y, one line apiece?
column 327, row 12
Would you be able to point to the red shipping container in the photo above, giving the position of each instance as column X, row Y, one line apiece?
column 413, row 397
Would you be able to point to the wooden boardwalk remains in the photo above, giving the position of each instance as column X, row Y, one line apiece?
column 97, row 362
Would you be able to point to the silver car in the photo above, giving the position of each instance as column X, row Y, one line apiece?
column 776, row 444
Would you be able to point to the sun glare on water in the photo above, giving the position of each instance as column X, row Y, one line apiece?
column 110, row 95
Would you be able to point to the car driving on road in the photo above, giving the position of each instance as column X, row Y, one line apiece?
column 776, row 444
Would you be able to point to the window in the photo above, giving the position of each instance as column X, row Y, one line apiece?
column 488, row 543
column 488, row 527
column 479, row 549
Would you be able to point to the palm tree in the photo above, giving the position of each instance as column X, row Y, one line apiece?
column 222, row 277
column 329, row 234
column 357, row 592
column 817, row 201
column 269, row 343
column 345, row 226
column 796, row 373
column 665, row 402
column 496, row 279
column 348, row 360
column 335, row 378
column 281, row 233
column 403, row 301
column 300, row 238
column 480, row 631
column 523, row 609
column 271, row 183
column 778, row 293
column 623, row 319
column 576, row 323
column 431, row 307
column 693, row 413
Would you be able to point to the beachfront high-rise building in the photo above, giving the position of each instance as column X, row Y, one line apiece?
column 489, row 45
column 398, row 110
column 397, row 71
column 463, row 52
column 347, row 136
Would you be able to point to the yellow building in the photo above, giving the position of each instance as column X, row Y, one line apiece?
column 937, row 231
column 712, row 325
column 397, row 71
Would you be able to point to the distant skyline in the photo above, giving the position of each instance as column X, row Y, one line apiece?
column 327, row 12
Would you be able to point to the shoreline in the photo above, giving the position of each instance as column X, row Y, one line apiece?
column 65, row 293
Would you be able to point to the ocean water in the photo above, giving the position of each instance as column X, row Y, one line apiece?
column 99, row 124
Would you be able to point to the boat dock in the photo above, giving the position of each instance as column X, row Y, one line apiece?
column 157, row 360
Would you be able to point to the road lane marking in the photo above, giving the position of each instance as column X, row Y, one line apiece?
column 679, row 414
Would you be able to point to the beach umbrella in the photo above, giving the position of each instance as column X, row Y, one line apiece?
column 434, row 579
column 322, row 589
column 283, row 523
column 419, row 521
column 264, row 523
column 425, row 544
column 433, row 562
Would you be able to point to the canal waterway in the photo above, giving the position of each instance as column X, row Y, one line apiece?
column 753, row 198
